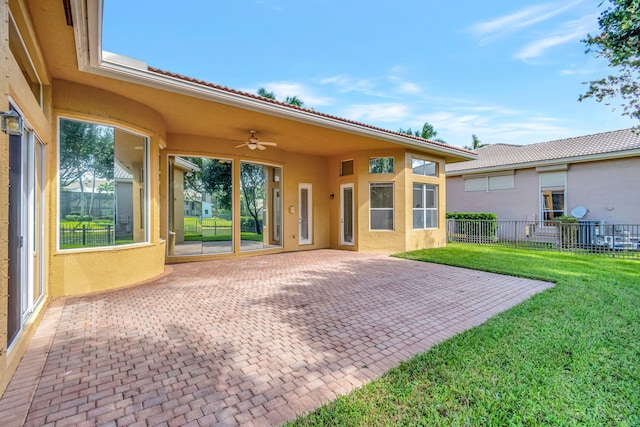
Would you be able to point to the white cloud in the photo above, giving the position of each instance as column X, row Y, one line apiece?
column 573, row 72
column 385, row 112
column 408, row 87
column 396, row 76
column 502, row 26
column 570, row 31
column 307, row 95
column 345, row 84
column 492, row 125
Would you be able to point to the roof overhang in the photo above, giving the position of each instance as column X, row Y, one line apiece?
column 548, row 163
column 87, row 23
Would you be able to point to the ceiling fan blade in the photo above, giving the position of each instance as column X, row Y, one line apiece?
column 241, row 145
column 273, row 144
column 261, row 147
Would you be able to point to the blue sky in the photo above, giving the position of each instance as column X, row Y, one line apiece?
column 509, row 72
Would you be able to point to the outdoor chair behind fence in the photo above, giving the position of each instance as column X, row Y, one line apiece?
column 585, row 237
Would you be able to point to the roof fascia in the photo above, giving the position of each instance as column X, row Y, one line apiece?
column 555, row 162
column 91, row 59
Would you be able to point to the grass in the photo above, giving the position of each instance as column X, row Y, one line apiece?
column 567, row 356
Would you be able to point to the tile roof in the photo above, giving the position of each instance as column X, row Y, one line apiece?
column 306, row 110
column 496, row 155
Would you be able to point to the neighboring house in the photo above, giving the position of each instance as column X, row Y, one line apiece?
column 538, row 182
column 135, row 132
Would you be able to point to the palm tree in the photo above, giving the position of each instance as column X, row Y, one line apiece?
column 294, row 100
column 263, row 93
column 475, row 144
column 428, row 132
column 291, row 100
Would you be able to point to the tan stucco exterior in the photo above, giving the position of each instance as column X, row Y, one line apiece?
column 178, row 117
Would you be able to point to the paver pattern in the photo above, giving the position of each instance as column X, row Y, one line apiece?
column 253, row 341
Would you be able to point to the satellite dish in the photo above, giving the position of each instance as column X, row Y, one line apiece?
column 579, row 212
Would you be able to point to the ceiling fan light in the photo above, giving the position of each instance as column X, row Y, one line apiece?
column 252, row 145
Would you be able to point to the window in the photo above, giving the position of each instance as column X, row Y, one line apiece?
column 552, row 204
column 103, row 193
column 424, row 167
column 502, row 182
column 381, row 165
column 552, row 189
column 425, row 206
column 381, row 201
column 346, row 168
column 490, row 183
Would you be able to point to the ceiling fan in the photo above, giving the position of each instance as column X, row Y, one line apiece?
column 253, row 142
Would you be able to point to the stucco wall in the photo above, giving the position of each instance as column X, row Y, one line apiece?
column 75, row 272
column 432, row 237
column 403, row 237
column 14, row 88
column 520, row 203
column 609, row 189
column 4, row 195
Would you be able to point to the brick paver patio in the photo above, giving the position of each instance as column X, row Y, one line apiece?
column 252, row 341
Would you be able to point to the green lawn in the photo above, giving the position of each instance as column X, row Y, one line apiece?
column 568, row 356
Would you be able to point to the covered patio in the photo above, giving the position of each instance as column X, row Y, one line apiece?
column 253, row 341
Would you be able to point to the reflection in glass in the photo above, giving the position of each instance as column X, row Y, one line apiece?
column 201, row 211
column 260, row 204
column 425, row 206
column 381, row 200
column 102, row 186
column 424, row 167
column 347, row 215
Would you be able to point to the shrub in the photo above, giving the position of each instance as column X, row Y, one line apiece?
column 485, row 216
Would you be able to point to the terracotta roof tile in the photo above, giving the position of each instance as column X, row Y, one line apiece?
column 306, row 110
column 496, row 155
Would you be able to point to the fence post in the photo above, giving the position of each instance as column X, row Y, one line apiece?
column 516, row 232
column 109, row 241
column 84, row 235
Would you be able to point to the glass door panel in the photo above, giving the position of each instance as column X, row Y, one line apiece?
column 346, row 214
column 200, row 208
column 305, row 218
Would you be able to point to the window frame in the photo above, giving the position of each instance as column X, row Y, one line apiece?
column 424, row 209
column 392, row 208
column 146, row 161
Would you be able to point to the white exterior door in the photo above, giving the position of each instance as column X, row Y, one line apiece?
column 305, row 219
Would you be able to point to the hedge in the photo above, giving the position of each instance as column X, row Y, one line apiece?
column 483, row 216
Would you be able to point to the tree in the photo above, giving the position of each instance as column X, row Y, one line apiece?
column 291, row 100
column 86, row 155
column 294, row 100
column 619, row 43
column 252, row 180
column 427, row 132
column 265, row 94
column 217, row 179
column 475, row 144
